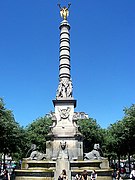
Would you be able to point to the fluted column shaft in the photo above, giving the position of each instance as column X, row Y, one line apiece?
column 65, row 83
column 64, row 67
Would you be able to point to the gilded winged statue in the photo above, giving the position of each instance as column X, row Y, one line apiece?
column 64, row 12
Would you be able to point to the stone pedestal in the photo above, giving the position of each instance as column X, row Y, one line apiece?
column 60, row 165
column 64, row 136
column 73, row 149
column 104, row 164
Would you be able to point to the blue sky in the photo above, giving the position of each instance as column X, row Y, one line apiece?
column 102, row 57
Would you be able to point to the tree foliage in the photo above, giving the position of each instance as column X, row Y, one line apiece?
column 114, row 138
column 10, row 131
column 92, row 133
column 118, row 139
column 37, row 133
column 120, row 136
column 129, row 129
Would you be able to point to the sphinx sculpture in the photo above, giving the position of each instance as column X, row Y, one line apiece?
column 35, row 154
column 63, row 151
column 95, row 154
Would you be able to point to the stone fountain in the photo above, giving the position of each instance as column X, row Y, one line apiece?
column 64, row 149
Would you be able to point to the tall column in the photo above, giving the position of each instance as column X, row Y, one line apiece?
column 64, row 67
column 65, row 87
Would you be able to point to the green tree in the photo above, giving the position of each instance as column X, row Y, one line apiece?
column 114, row 140
column 91, row 132
column 37, row 133
column 129, row 130
column 21, row 145
column 120, row 136
column 9, row 131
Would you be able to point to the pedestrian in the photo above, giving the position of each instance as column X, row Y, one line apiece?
column 84, row 175
column 78, row 176
column 114, row 174
column 93, row 175
column 132, row 174
column 6, row 175
column 118, row 177
column 12, row 176
column 63, row 175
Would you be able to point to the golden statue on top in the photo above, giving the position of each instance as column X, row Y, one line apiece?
column 64, row 12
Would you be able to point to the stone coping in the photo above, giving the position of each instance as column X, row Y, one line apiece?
column 42, row 168
column 90, row 170
column 86, row 162
column 63, row 101
column 38, row 170
column 39, row 162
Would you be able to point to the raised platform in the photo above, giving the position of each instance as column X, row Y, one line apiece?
column 81, row 165
column 46, row 170
column 32, row 174
column 42, row 170
column 32, row 164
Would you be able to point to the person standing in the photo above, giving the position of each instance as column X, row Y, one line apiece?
column 63, row 175
column 78, row 176
column 84, row 175
column 114, row 175
column 93, row 175
column 6, row 175
column 118, row 177
column 132, row 174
